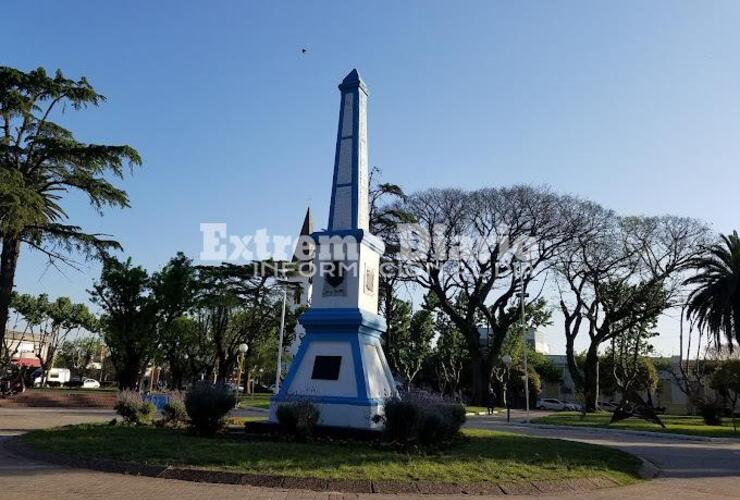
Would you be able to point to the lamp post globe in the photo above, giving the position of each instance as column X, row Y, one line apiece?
column 242, row 354
column 506, row 360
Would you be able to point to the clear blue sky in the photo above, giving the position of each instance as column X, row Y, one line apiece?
column 635, row 105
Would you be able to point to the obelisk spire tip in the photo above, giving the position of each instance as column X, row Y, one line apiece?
column 352, row 81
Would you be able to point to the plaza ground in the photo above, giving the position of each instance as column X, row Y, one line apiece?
column 690, row 469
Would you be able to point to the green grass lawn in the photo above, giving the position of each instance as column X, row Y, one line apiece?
column 256, row 400
column 480, row 409
column 694, row 426
column 482, row 456
column 263, row 401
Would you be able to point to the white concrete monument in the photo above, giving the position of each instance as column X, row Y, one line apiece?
column 340, row 366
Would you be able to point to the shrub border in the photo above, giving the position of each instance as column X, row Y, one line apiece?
column 541, row 487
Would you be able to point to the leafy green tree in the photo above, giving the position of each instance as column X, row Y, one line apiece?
column 40, row 163
column 129, row 318
column 539, row 315
column 397, row 328
column 450, row 354
column 629, row 358
column 516, row 386
column 414, row 345
column 236, row 304
column 183, row 350
column 173, row 290
column 715, row 302
column 386, row 214
column 726, row 381
column 546, row 369
column 640, row 374
column 52, row 323
column 77, row 354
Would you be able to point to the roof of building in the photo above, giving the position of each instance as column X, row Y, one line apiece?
column 306, row 230
column 21, row 336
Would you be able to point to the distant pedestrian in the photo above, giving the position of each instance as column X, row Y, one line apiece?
column 491, row 400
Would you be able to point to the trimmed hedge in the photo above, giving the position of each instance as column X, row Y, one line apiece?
column 174, row 412
column 207, row 406
column 298, row 419
column 422, row 422
column 133, row 409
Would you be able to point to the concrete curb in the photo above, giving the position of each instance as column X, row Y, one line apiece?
column 655, row 434
column 16, row 446
column 648, row 470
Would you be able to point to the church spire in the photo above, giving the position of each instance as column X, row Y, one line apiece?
column 349, row 194
column 306, row 230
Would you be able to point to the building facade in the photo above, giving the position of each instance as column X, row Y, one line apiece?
column 22, row 348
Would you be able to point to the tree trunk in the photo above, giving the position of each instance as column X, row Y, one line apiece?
column 128, row 370
column 570, row 356
column 8, row 263
column 176, row 373
column 224, row 369
column 736, row 321
column 589, row 377
column 480, row 380
column 128, row 378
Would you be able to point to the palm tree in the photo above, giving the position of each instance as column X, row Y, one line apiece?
column 715, row 303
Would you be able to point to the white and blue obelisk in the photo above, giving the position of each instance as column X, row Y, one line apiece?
column 340, row 366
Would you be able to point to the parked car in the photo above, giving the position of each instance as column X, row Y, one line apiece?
column 90, row 383
column 555, row 405
column 608, row 406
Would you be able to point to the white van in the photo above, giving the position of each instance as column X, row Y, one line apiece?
column 56, row 376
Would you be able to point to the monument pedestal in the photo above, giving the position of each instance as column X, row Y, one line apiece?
column 340, row 368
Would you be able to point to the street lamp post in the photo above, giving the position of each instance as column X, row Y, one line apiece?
column 102, row 362
column 279, row 371
column 243, row 348
column 507, row 363
column 526, row 331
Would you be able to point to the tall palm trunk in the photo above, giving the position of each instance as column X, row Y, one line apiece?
column 8, row 263
column 736, row 319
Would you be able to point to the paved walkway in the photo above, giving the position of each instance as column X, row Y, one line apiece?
column 693, row 470
column 676, row 457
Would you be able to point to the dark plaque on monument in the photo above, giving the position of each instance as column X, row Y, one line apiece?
column 326, row 368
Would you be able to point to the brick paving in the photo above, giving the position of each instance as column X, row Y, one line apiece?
column 25, row 479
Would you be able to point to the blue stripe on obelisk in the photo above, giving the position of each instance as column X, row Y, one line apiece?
column 355, row 157
column 352, row 84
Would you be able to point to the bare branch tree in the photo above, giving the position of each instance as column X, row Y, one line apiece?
column 465, row 248
column 624, row 272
